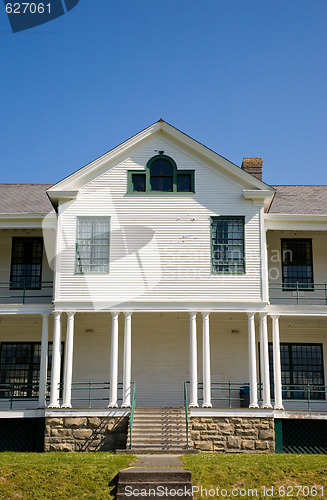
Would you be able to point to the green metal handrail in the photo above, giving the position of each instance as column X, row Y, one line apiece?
column 131, row 418
column 299, row 287
column 22, row 291
column 186, row 412
column 89, row 388
column 13, row 392
column 225, row 386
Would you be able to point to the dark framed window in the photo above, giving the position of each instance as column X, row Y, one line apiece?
column 20, row 365
column 297, row 267
column 26, row 263
column 161, row 176
column 227, row 244
column 92, row 245
column 301, row 364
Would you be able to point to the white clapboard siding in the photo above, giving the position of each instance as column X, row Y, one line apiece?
column 170, row 258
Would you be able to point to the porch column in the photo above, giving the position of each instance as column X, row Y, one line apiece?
column 44, row 361
column 56, row 355
column 252, row 363
column 277, row 365
column 206, row 362
column 127, row 361
column 266, row 402
column 193, row 363
column 67, row 395
column 114, row 361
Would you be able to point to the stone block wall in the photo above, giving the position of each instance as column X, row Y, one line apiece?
column 85, row 433
column 233, row 434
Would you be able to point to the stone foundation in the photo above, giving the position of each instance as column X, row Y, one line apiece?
column 85, row 433
column 233, row 434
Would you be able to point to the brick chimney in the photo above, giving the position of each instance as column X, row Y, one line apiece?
column 253, row 166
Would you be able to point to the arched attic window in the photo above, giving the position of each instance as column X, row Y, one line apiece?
column 161, row 176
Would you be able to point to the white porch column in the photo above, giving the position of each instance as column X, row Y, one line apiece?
column 266, row 402
column 56, row 355
column 277, row 365
column 44, row 361
column 252, row 363
column 114, row 361
column 193, row 363
column 206, row 362
column 127, row 361
column 68, row 373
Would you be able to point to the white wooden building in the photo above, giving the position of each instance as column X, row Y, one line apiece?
column 158, row 263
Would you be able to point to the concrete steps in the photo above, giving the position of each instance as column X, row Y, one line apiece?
column 154, row 482
column 158, row 429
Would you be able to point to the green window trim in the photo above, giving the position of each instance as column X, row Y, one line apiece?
column 230, row 244
column 93, row 247
column 176, row 175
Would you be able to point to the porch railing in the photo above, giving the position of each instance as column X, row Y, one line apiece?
column 21, row 293
column 13, row 395
column 310, row 397
column 298, row 293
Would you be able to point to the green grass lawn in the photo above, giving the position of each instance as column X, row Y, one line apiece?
column 71, row 476
column 241, row 472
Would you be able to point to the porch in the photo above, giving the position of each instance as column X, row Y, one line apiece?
column 226, row 359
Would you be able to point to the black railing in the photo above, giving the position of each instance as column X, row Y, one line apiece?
column 25, row 293
column 298, row 293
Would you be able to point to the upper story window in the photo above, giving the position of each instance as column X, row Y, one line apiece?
column 297, row 268
column 161, row 176
column 227, row 244
column 26, row 263
column 92, row 245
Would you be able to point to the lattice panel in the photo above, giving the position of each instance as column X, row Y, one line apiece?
column 22, row 434
column 304, row 436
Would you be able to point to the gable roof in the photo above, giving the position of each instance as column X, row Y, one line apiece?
column 24, row 199
column 306, row 200
column 97, row 167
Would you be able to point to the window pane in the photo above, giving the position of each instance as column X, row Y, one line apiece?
column 26, row 263
column 138, row 181
column 301, row 364
column 297, row 264
column 184, row 182
column 161, row 175
column 228, row 245
column 93, row 245
column 161, row 168
column 161, row 183
column 20, row 366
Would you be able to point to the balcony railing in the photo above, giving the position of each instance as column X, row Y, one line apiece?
column 10, row 293
column 298, row 293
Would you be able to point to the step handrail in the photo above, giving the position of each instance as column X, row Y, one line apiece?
column 186, row 411
column 131, row 418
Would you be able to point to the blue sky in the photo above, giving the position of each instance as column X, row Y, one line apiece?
column 245, row 78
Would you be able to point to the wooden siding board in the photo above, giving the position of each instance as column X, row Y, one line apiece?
column 181, row 224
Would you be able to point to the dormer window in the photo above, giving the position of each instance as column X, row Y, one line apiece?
column 161, row 176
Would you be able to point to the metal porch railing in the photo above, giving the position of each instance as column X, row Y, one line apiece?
column 22, row 292
column 298, row 293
